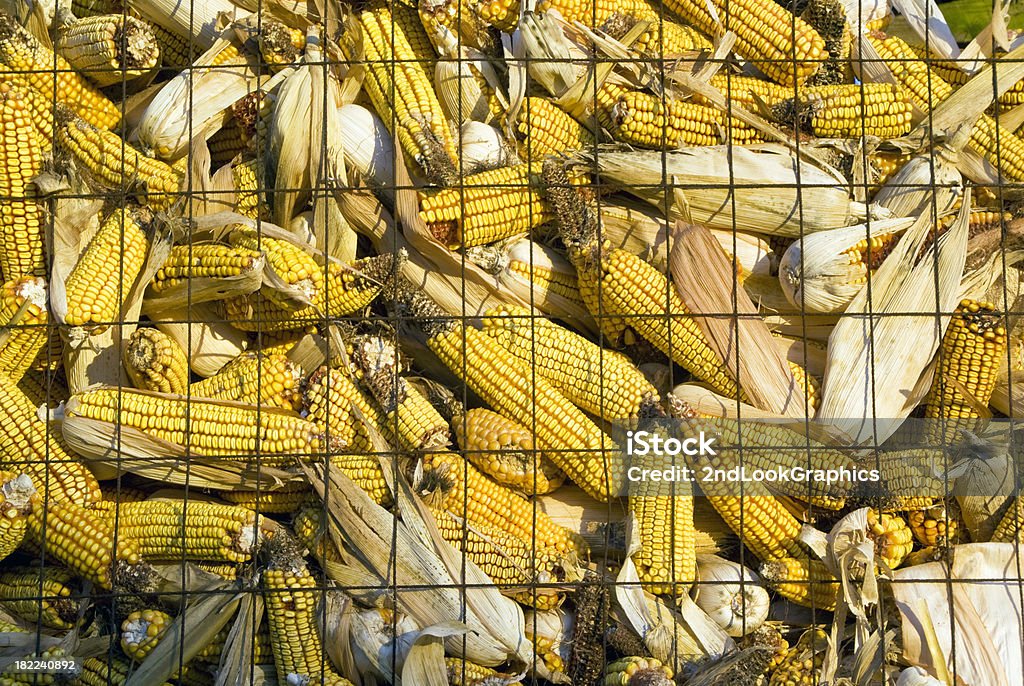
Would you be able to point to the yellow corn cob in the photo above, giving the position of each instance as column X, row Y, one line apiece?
column 642, row 119
column 227, row 143
column 935, row 526
column 109, row 49
column 471, row 496
column 927, row 89
column 554, row 281
column 246, row 176
column 637, row 671
column 748, row 90
column 28, row 444
column 115, row 164
column 667, row 38
column 951, row 72
column 893, row 539
column 802, row 664
column 267, row 380
column 592, row 14
column 294, row 266
column 173, row 530
column 279, row 44
column 882, row 166
column 26, row 333
column 346, row 290
column 155, row 362
column 409, row 421
column 51, row 75
column 284, row 501
column 399, row 62
column 81, row 539
column 13, row 678
column 503, row 449
column 972, row 349
column 142, row 630
column 604, row 383
column 1012, row 524
column 51, row 357
column 666, row 560
column 202, row 261
column 486, row 207
column 21, row 160
column 44, row 595
column 330, row 397
column 280, row 342
column 506, row 559
column 16, row 491
column 106, row 670
column 849, row 110
column 546, row 129
column 311, row 532
column 782, row 46
column 291, row 598
column 205, row 427
column 40, row 108
column 804, row 582
column 43, row 389
column 98, row 286
column 462, row 672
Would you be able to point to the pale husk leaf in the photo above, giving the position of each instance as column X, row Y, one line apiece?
column 928, row 180
column 199, row 23
column 425, row 661
column 209, row 342
column 208, row 194
column 925, row 19
column 985, row 487
column 236, row 657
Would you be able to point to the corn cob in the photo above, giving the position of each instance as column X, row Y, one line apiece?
column 506, row 559
column 202, row 261
column 547, row 279
column 284, row 501
column 592, row 14
column 882, row 166
column 267, row 380
column 280, row 342
column 16, row 491
column 173, row 530
column 398, row 58
column 667, row 38
column 21, row 160
column 115, row 164
column 155, row 362
column 280, row 45
column 1012, row 524
column 295, row 267
column 462, row 672
column 783, row 47
column 545, row 129
column 42, row 388
column 311, row 532
column 205, row 427
column 927, row 89
column 28, row 445
column 51, row 75
column 802, row 664
column 20, row 678
column 471, row 496
column 142, row 630
column 748, row 91
column 38, row 106
column 24, row 316
column 82, row 539
column 503, row 449
column 637, row 671
column 486, row 207
column 51, row 358
column 972, row 348
column 122, row 494
column 98, row 286
column 805, row 582
column 107, row 670
column 642, row 119
column 909, row 480
column 893, row 539
column 246, row 177
column 935, row 526
column 291, row 598
column 227, row 143
column 828, row 18
column 262, row 651
column 849, row 110
column 110, row 48
column 332, row 399
column 951, row 72
column 601, row 382
column 44, row 595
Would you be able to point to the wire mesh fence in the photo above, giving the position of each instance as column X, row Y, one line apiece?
column 488, row 342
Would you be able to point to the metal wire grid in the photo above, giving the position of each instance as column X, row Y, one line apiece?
column 108, row 606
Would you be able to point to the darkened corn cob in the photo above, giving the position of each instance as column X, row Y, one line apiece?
column 206, row 427
column 637, row 671
column 33, row 64
column 44, row 595
column 284, row 501
column 280, row 45
column 21, row 160
column 109, row 48
column 98, row 286
column 81, row 539
column 28, row 444
column 545, row 129
column 828, row 18
column 399, row 62
column 16, row 491
column 261, row 647
column 504, row 450
column 174, row 530
column 202, row 261
column 927, row 89
column 26, row 333
column 114, row 163
column 602, row 382
column 142, row 630
column 909, row 478
column 849, row 110
column 802, row 664
column 254, row 379
column 782, row 46
column 803, row 581
column 106, row 670
column 155, row 362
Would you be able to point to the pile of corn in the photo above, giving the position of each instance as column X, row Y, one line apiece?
column 312, row 312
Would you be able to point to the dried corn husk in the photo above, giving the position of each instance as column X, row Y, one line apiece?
column 984, row 488
column 553, row 629
column 731, row 594
column 915, row 676
column 373, row 643
column 483, row 147
column 904, row 284
column 209, row 342
column 818, row 275
column 781, row 210
column 193, row 21
column 922, row 181
column 369, row 149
